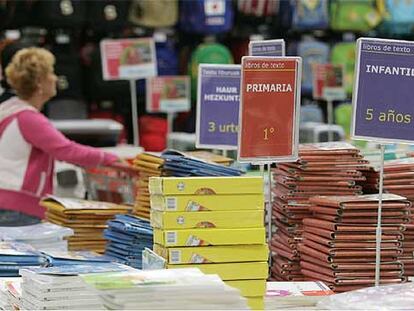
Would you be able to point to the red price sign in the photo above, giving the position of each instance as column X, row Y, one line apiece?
column 269, row 109
column 328, row 82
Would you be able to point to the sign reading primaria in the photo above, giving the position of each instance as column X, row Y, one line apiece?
column 269, row 109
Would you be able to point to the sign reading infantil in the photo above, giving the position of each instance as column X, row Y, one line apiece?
column 383, row 101
column 218, row 106
column 269, row 109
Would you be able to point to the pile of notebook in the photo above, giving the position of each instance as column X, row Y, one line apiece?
column 15, row 255
column 44, row 236
column 87, row 219
column 295, row 295
column 184, row 289
column 399, row 179
column 10, row 293
column 56, row 258
column 174, row 163
column 214, row 224
column 62, row 287
column 148, row 165
column 322, row 169
column 339, row 240
column 127, row 236
column 182, row 165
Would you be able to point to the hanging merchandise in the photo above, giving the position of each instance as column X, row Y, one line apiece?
column 167, row 58
column 150, row 13
column 206, row 16
column 258, row 8
column 207, row 53
column 306, row 14
column 344, row 53
column 107, row 15
column 398, row 16
column 312, row 52
column 153, row 133
column 59, row 14
column 354, row 15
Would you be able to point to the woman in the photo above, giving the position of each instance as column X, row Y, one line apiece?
column 29, row 143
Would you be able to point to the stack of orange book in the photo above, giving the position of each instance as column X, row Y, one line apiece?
column 86, row 218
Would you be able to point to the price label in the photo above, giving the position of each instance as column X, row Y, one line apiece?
column 328, row 82
column 267, row 47
column 269, row 109
column 168, row 94
column 128, row 59
column 383, row 102
column 218, row 106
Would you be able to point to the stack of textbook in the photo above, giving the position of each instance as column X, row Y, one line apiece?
column 56, row 258
column 214, row 224
column 339, row 241
column 332, row 168
column 185, row 289
column 62, row 287
column 10, row 293
column 127, row 237
column 15, row 255
column 87, row 219
column 44, row 236
column 148, row 165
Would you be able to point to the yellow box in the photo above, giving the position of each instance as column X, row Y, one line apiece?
column 196, row 203
column 231, row 271
column 213, row 254
column 206, row 185
column 209, row 236
column 255, row 303
column 221, row 219
column 249, row 287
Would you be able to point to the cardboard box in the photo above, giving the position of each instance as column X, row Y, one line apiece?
column 231, row 271
column 249, row 288
column 209, row 236
column 213, row 254
column 206, row 185
column 196, row 203
column 220, row 219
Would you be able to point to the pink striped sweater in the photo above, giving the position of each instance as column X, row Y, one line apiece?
column 29, row 144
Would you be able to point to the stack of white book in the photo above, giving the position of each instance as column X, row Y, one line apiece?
column 172, row 289
column 295, row 295
column 10, row 293
column 44, row 236
column 62, row 287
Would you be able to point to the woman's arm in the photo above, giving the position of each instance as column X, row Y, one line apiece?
column 38, row 131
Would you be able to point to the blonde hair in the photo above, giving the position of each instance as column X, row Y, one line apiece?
column 27, row 69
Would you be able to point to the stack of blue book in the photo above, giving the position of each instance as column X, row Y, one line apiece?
column 15, row 256
column 127, row 237
column 64, row 258
column 180, row 165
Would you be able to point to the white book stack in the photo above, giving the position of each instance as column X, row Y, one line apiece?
column 181, row 289
column 10, row 293
column 62, row 288
column 295, row 295
column 44, row 236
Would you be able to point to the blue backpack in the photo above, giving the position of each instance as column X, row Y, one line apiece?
column 308, row 14
column 312, row 52
column 206, row 16
column 398, row 16
column 167, row 58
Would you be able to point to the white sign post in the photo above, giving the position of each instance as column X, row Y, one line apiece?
column 129, row 59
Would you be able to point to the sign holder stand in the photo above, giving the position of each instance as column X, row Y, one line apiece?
column 134, row 110
column 330, row 118
column 269, row 205
column 378, row 231
column 170, row 120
